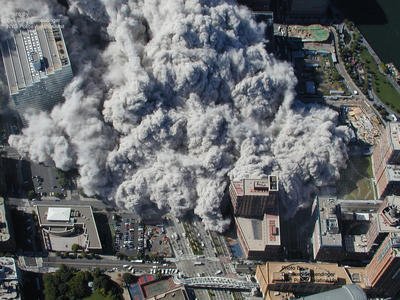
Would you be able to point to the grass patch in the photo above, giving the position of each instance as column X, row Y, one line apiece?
column 381, row 85
column 355, row 181
column 98, row 296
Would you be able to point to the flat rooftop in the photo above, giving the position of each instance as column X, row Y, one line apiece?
column 256, row 187
column 394, row 129
column 260, row 233
column 33, row 54
column 356, row 243
column 164, row 289
column 58, row 220
column 328, row 222
column 4, row 229
column 389, row 216
column 393, row 172
column 309, row 273
column 8, row 279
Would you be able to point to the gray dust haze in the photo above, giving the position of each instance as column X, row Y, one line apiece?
column 170, row 100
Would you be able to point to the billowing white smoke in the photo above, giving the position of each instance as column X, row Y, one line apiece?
column 183, row 96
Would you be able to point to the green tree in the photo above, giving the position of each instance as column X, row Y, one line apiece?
column 75, row 247
column 78, row 286
column 31, row 194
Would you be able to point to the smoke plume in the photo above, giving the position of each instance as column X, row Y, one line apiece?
column 172, row 98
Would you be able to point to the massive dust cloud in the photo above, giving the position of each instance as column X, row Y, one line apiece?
column 170, row 100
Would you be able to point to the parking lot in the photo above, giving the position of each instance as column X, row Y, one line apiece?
column 45, row 181
column 128, row 235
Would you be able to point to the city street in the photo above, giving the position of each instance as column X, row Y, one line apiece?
column 206, row 265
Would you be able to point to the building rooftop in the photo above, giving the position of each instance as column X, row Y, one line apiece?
column 4, row 227
column 58, row 214
column 389, row 215
column 346, row 292
column 8, row 279
column 256, row 187
column 394, row 129
column 309, row 273
column 328, row 221
column 393, row 172
column 33, row 54
column 164, row 289
column 356, row 243
column 64, row 225
column 260, row 233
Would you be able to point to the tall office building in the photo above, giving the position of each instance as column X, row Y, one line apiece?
column 386, row 161
column 326, row 237
column 387, row 220
column 382, row 273
column 252, row 198
column 256, row 210
column 37, row 67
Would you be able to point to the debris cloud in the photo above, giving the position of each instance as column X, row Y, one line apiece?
column 172, row 98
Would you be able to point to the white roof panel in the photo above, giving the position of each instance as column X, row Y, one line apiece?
column 58, row 214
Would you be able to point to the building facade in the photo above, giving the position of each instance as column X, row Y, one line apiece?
column 383, row 272
column 386, row 161
column 386, row 220
column 37, row 67
column 252, row 198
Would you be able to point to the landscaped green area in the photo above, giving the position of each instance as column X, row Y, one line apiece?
column 68, row 283
column 381, row 85
column 356, row 180
column 193, row 241
column 362, row 67
column 97, row 295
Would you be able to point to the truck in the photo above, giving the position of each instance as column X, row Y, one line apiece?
column 198, row 263
column 138, row 261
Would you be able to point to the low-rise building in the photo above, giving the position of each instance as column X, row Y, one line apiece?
column 9, row 288
column 7, row 241
column 64, row 225
column 278, row 278
column 148, row 288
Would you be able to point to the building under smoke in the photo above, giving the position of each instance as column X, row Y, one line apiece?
column 171, row 100
column 37, row 67
column 256, row 209
column 252, row 198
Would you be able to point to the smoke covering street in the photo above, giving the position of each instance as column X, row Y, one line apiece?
column 170, row 100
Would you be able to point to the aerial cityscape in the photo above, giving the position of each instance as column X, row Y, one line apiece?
column 199, row 149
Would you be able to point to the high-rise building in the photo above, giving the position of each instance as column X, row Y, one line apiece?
column 382, row 273
column 386, row 220
column 252, row 198
column 386, row 161
column 37, row 67
column 326, row 237
column 259, row 239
